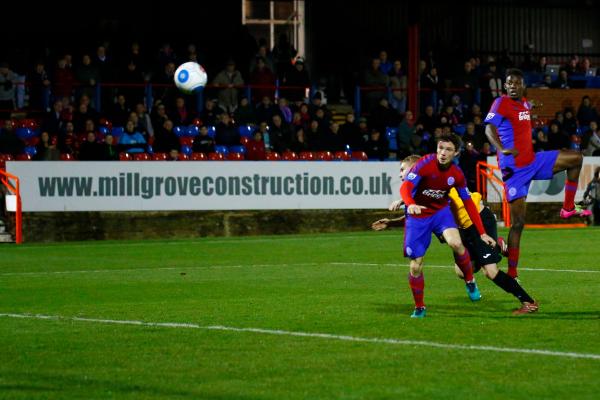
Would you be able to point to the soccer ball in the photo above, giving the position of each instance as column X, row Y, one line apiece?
column 189, row 77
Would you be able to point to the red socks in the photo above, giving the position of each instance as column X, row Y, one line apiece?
column 464, row 263
column 570, row 190
column 417, row 285
column 513, row 261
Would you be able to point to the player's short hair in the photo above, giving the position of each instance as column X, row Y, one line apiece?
column 451, row 137
column 412, row 159
column 515, row 72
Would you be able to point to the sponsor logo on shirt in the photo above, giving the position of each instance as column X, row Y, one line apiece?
column 524, row 115
column 490, row 116
column 433, row 193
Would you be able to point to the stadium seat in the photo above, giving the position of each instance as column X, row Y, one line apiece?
column 24, row 133
column 582, row 129
column 272, row 156
column 221, row 149
column 67, row 157
column 235, row 156
column 199, row 157
column 237, row 149
column 307, row 156
column 323, row 156
column 28, row 123
column 23, row 157
column 359, row 156
column 392, row 136
column 212, row 131
column 125, row 157
column 32, row 141
column 179, row 131
column 216, row 156
column 460, row 129
column 104, row 130
column 31, row 150
column 244, row 140
column 159, row 156
column 289, row 156
column 197, row 122
column 117, row 131
column 343, row 156
column 142, row 157
column 246, row 131
column 185, row 149
column 192, row 131
column 183, row 157
column 186, row 140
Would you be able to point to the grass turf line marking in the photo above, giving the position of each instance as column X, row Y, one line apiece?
column 95, row 271
column 344, row 338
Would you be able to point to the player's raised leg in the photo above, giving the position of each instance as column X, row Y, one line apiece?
column 463, row 260
column 571, row 161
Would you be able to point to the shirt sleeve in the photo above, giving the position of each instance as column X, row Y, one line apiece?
column 495, row 116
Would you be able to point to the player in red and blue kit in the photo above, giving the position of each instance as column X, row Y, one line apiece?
column 509, row 129
column 425, row 194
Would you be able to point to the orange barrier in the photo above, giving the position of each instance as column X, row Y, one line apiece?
column 556, row 226
column 485, row 172
column 13, row 188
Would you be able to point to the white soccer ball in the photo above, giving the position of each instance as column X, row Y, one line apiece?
column 190, row 76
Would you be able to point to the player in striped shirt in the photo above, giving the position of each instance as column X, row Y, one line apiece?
column 509, row 130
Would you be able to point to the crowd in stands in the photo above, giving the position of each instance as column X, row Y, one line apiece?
column 267, row 124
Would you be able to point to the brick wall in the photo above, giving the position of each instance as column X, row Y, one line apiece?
column 549, row 101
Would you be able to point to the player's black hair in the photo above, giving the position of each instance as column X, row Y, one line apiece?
column 451, row 137
column 515, row 72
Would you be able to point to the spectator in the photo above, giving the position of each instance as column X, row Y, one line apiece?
column 8, row 80
column 255, row 149
column 283, row 54
column 110, row 151
column 541, row 65
column 592, row 144
column 173, row 155
column 226, row 132
column 385, row 65
column 144, row 120
column 299, row 142
column 546, row 83
column 264, row 81
column 165, row 139
column 334, row 141
column 284, row 110
column 203, row 142
column 265, row 55
column 569, row 123
column 350, row 132
column 210, row 114
column 39, row 82
column 67, row 140
column 91, row 150
column 297, row 76
column 428, row 119
column 46, row 148
column 383, row 116
column 9, row 142
column 562, row 81
column 374, row 78
column 466, row 84
column 406, row 130
column 398, row 84
column 87, row 75
column 492, row 85
column 265, row 110
column 181, row 115
column 592, row 196
column 132, row 141
column 557, row 138
column 280, row 134
column 228, row 79
column 120, row 112
column 432, row 88
column 478, row 139
column 540, row 141
column 315, row 136
column 132, row 74
column 53, row 122
column 585, row 67
column 63, row 80
column 244, row 113
column 376, row 147
column 586, row 112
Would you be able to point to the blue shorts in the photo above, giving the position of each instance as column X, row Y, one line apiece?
column 417, row 231
column 517, row 180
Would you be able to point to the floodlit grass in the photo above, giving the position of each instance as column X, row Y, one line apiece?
column 337, row 284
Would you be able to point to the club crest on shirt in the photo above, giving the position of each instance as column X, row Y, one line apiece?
column 450, row 181
column 512, row 191
column 411, row 176
column 490, row 116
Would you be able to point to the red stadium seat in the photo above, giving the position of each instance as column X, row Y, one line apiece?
column 216, row 157
column 235, row 156
column 23, row 157
column 186, row 140
column 199, row 157
column 244, row 140
column 273, row 156
column 343, row 156
column 183, row 157
column 125, row 157
column 359, row 156
column 307, row 156
column 67, row 157
column 159, row 156
column 289, row 156
column 142, row 157
column 324, row 156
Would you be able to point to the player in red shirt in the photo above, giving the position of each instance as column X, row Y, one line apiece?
column 509, row 129
column 425, row 193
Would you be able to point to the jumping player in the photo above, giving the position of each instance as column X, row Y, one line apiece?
column 425, row 193
column 509, row 129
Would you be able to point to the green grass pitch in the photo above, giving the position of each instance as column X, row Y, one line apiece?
column 289, row 289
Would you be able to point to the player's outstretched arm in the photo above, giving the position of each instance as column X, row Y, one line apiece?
column 385, row 223
column 396, row 205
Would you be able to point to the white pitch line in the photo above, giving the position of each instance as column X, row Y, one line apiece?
column 343, row 338
column 184, row 269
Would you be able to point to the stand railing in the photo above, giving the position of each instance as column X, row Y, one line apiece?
column 485, row 173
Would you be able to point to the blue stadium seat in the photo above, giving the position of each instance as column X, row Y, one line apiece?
column 392, row 136
column 212, row 131
column 104, row 130
column 179, row 130
column 221, row 149
column 460, row 129
column 187, row 150
column 31, row 150
column 24, row 133
column 593, row 82
column 246, row 131
column 237, row 149
column 192, row 130
column 117, row 131
column 582, row 129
